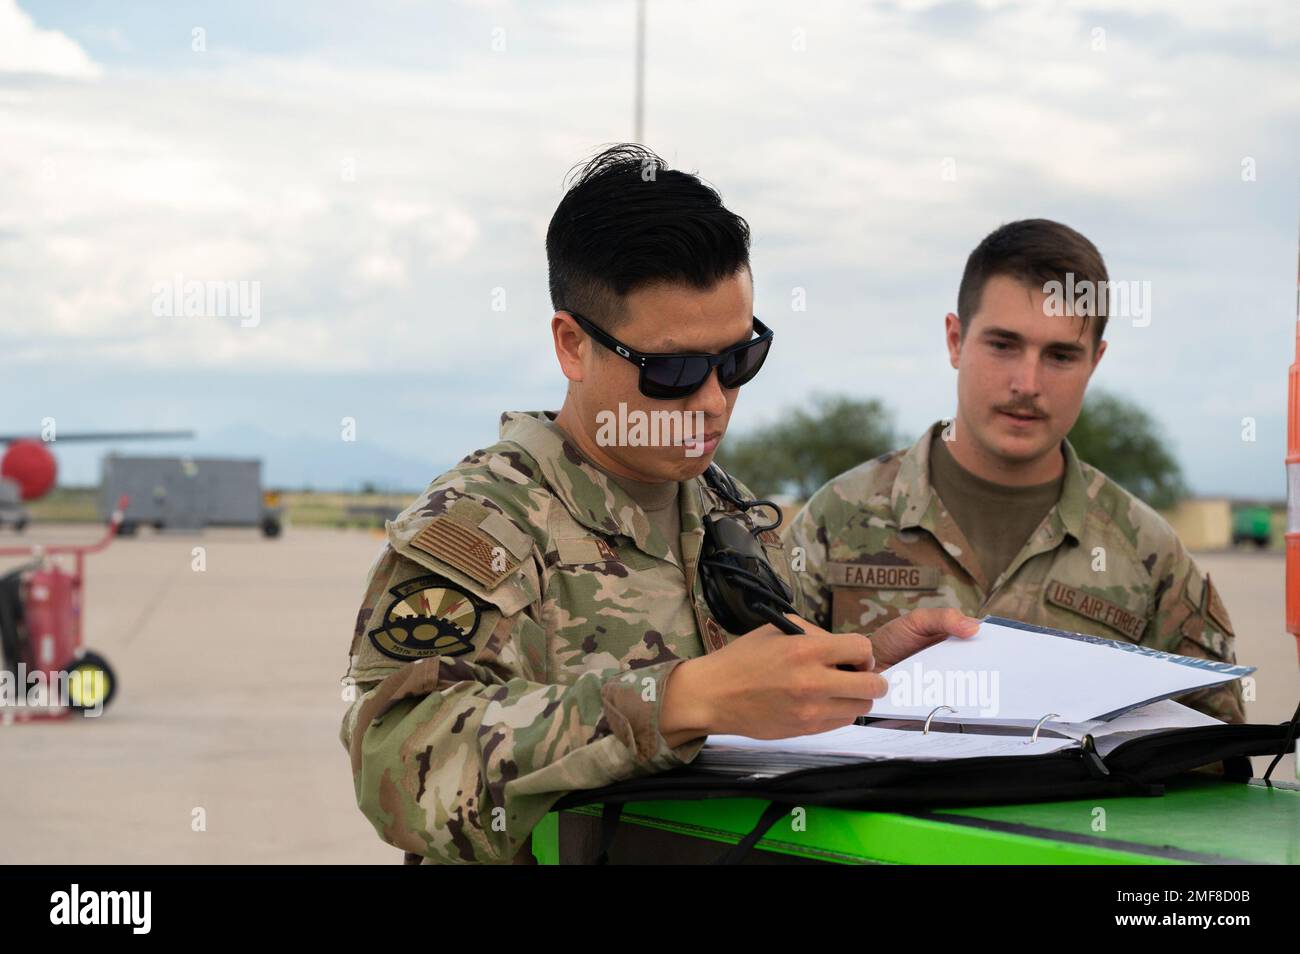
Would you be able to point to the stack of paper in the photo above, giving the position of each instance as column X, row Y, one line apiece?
column 740, row 755
column 995, row 689
column 856, row 743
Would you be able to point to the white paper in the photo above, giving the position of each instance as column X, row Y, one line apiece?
column 1014, row 676
column 1165, row 714
column 1156, row 717
column 868, row 742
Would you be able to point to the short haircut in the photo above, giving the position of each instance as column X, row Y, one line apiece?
column 628, row 221
column 1034, row 252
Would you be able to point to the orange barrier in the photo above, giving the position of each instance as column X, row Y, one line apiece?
column 1293, row 485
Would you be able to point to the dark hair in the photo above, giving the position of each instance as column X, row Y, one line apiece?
column 1034, row 252
column 628, row 221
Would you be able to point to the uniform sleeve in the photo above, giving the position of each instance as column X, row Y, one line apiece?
column 456, row 755
column 805, row 544
column 1190, row 619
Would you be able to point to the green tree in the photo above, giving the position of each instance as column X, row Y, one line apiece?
column 1124, row 442
column 805, row 447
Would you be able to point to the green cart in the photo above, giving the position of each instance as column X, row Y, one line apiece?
column 1197, row 821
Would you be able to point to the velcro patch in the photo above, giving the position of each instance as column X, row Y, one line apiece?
column 883, row 576
column 514, row 539
column 1097, row 609
column 1215, row 610
column 578, row 551
column 582, row 550
column 468, row 549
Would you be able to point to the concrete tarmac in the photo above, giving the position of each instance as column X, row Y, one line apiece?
column 230, row 700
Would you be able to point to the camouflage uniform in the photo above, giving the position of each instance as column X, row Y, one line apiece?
column 513, row 644
column 877, row 542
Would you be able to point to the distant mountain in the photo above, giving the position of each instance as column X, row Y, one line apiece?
column 296, row 463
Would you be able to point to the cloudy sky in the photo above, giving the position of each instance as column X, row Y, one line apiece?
column 387, row 179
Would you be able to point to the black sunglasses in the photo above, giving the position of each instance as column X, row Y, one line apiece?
column 668, row 376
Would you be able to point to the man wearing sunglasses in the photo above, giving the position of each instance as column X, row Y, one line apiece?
column 536, row 622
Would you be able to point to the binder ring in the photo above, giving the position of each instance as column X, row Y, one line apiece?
column 1034, row 737
column 926, row 730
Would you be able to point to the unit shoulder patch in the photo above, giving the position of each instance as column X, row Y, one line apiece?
column 427, row 616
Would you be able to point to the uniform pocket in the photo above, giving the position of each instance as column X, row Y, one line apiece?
column 857, row 609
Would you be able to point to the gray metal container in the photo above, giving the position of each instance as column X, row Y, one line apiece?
column 186, row 492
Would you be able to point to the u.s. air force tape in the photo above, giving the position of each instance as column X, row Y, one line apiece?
column 429, row 616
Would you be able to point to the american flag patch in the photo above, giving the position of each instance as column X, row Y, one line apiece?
column 467, row 549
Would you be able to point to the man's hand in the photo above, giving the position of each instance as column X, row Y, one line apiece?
column 768, row 685
column 913, row 631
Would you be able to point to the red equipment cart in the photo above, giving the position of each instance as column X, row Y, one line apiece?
column 41, row 635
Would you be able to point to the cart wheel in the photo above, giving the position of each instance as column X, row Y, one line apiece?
column 270, row 527
column 91, row 682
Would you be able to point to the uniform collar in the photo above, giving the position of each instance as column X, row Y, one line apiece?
column 1073, row 505
column 592, row 498
column 912, row 493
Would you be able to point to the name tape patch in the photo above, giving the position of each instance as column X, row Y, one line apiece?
column 1096, row 608
column 883, row 576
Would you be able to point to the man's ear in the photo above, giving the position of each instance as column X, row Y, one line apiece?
column 571, row 344
column 1096, row 359
column 952, row 335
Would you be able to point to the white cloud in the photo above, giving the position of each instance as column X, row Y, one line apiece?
column 26, row 48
